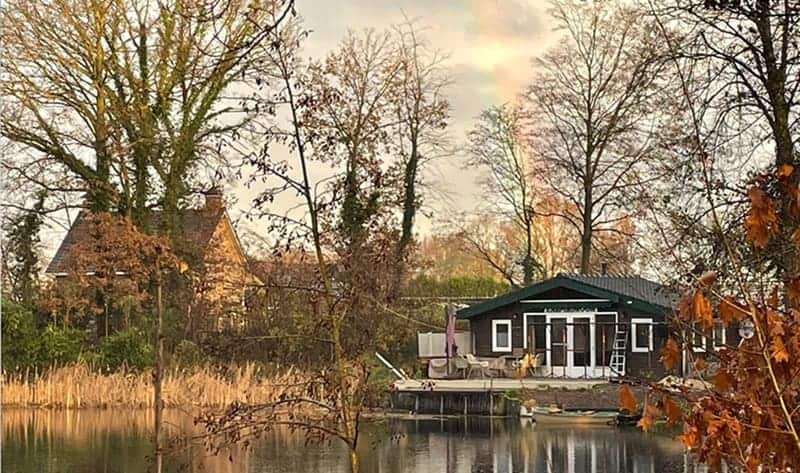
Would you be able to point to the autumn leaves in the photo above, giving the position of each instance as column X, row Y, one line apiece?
column 742, row 407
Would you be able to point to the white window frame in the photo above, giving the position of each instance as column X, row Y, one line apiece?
column 724, row 336
column 634, row 346
column 692, row 338
column 496, row 323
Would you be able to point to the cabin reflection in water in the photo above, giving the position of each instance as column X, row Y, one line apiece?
column 504, row 446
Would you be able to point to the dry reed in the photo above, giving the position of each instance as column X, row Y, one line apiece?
column 79, row 386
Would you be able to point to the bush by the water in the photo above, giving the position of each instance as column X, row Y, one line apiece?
column 20, row 337
column 27, row 346
column 130, row 347
column 59, row 346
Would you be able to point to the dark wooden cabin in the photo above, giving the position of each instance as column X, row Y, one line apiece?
column 582, row 326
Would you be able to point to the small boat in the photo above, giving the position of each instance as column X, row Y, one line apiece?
column 549, row 415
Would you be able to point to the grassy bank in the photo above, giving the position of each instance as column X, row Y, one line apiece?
column 80, row 386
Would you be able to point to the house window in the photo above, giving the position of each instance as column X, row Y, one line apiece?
column 697, row 338
column 501, row 335
column 642, row 333
column 719, row 339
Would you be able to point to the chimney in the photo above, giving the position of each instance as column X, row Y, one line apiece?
column 604, row 269
column 214, row 199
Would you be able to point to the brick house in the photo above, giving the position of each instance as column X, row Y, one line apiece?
column 207, row 241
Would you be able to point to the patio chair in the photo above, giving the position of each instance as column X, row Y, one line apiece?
column 459, row 366
column 497, row 366
column 473, row 363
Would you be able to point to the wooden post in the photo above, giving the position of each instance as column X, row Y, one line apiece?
column 465, row 405
column 441, row 404
column 602, row 356
column 416, row 403
column 491, row 404
column 159, row 372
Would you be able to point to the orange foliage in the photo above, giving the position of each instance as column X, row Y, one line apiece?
column 627, row 401
column 761, row 221
column 670, row 354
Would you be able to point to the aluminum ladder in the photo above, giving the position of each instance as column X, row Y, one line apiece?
column 617, row 362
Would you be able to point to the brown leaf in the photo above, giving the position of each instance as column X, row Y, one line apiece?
column 673, row 411
column 785, row 170
column 670, row 354
column 778, row 351
column 730, row 310
column 649, row 415
column 627, row 401
column 772, row 299
column 700, row 364
column 722, row 380
column 689, row 438
column 761, row 221
column 701, row 309
column 793, row 291
column 707, row 279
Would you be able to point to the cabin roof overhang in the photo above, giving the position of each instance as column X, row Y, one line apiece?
column 597, row 297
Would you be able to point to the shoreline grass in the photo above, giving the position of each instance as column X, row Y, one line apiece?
column 80, row 386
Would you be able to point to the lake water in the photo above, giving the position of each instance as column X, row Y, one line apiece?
column 95, row 441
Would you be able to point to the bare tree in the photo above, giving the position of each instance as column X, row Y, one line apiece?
column 750, row 58
column 350, row 124
column 331, row 112
column 593, row 101
column 422, row 115
column 498, row 146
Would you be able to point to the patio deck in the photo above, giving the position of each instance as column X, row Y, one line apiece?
column 494, row 384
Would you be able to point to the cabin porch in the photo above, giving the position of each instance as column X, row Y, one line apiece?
column 557, row 345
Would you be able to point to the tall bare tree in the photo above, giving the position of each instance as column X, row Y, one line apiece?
column 352, row 89
column 422, row 118
column 593, row 101
column 498, row 145
column 748, row 55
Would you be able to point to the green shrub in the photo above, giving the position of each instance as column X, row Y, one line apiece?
column 130, row 347
column 188, row 354
column 58, row 346
column 20, row 340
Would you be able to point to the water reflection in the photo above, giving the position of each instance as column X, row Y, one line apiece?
column 477, row 445
column 118, row 441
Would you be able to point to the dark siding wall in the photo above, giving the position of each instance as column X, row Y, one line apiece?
column 481, row 327
column 645, row 365
column 638, row 364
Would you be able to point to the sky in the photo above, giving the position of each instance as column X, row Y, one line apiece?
column 490, row 44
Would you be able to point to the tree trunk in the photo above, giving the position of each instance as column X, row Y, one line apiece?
column 409, row 201
column 354, row 468
column 157, row 376
column 586, row 234
column 527, row 262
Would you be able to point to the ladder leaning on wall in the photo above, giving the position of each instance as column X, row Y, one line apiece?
column 617, row 362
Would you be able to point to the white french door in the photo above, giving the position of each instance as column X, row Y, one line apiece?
column 570, row 338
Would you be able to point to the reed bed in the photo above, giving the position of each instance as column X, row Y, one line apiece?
column 79, row 386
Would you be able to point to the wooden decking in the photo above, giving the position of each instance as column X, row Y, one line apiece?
column 494, row 384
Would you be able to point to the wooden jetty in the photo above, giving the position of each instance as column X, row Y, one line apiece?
column 489, row 396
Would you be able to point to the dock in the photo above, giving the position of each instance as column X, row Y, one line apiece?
column 487, row 396
column 495, row 384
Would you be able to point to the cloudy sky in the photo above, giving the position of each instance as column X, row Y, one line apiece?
column 490, row 44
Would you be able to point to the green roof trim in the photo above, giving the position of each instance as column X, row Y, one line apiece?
column 631, row 291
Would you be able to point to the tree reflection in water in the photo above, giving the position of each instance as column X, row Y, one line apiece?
column 99, row 441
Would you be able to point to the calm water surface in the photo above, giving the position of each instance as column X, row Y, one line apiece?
column 93, row 441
